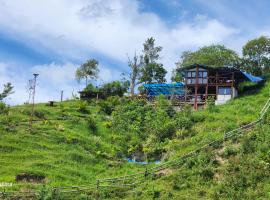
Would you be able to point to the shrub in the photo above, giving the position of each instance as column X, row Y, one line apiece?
column 39, row 114
column 82, row 107
column 91, row 123
column 230, row 151
column 210, row 103
column 2, row 106
column 207, row 174
column 108, row 106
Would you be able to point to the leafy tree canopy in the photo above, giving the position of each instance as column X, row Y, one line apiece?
column 213, row 55
column 6, row 91
column 152, row 71
column 256, row 55
column 88, row 70
column 114, row 88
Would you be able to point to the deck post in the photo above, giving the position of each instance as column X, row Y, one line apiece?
column 196, row 88
column 232, row 86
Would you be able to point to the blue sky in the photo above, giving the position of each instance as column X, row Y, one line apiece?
column 54, row 37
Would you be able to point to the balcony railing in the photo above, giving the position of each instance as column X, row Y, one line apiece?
column 211, row 80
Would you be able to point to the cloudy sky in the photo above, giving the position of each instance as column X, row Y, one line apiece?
column 53, row 37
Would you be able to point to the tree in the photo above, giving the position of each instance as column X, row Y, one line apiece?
column 6, row 91
column 114, row 88
column 213, row 55
column 151, row 53
column 176, row 77
column 256, row 54
column 88, row 70
column 135, row 66
column 152, row 71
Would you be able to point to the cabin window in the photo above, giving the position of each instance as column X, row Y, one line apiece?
column 224, row 91
column 202, row 74
column 191, row 74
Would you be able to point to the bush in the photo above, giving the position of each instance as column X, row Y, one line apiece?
column 210, row 103
column 3, row 108
column 108, row 106
column 92, row 125
column 82, row 107
column 230, row 151
column 207, row 174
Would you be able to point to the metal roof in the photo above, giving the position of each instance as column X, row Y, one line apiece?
column 164, row 89
column 251, row 77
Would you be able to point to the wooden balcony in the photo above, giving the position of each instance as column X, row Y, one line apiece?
column 211, row 81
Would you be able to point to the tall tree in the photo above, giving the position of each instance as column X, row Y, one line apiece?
column 150, row 51
column 6, row 91
column 152, row 71
column 213, row 55
column 135, row 68
column 88, row 70
column 256, row 55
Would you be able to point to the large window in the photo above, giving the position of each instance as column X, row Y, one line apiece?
column 191, row 74
column 202, row 74
column 224, row 91
column 191, row 77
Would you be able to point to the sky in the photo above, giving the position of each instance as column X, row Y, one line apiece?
column 54, row 37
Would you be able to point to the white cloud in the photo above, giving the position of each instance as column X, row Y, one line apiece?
column 112, row 28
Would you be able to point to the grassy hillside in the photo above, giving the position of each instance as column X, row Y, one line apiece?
column 73, row 144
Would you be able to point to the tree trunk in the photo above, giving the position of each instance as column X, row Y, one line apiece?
column 86, row 82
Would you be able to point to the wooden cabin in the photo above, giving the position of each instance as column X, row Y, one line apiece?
column 221, row 83
column 201, row 82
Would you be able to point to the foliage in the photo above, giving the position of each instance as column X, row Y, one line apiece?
column 136, row 122
column 114, row 88
column 256, row 54
column 152, row 71
column 210, row 103
column 6, row 91
column 108, row 105
column 3, row 108
column 91, row 123
column 89, row 69
column 150, row 51
column 82, row 106
column 176, row 77
column 213, row 55
column 67, row 155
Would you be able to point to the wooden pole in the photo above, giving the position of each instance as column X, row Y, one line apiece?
column 196, row 89
column 62, row 94
column 232, row 86
column 33, row 101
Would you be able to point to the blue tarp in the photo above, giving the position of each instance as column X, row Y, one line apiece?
column 164, row 89
column 251, row 77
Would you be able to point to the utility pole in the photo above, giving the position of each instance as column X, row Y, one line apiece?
column 62, row 94
column 33, row 100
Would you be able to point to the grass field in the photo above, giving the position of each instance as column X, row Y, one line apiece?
column 70, row 146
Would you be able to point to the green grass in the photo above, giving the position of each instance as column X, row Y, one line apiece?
column 68, row 153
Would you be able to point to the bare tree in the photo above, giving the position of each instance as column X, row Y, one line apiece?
column 29, row 89
column 135, row 65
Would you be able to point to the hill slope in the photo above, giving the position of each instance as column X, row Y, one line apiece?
column 71, row 144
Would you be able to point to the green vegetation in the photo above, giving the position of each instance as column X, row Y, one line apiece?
column 255, row 59
column 76, row 142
